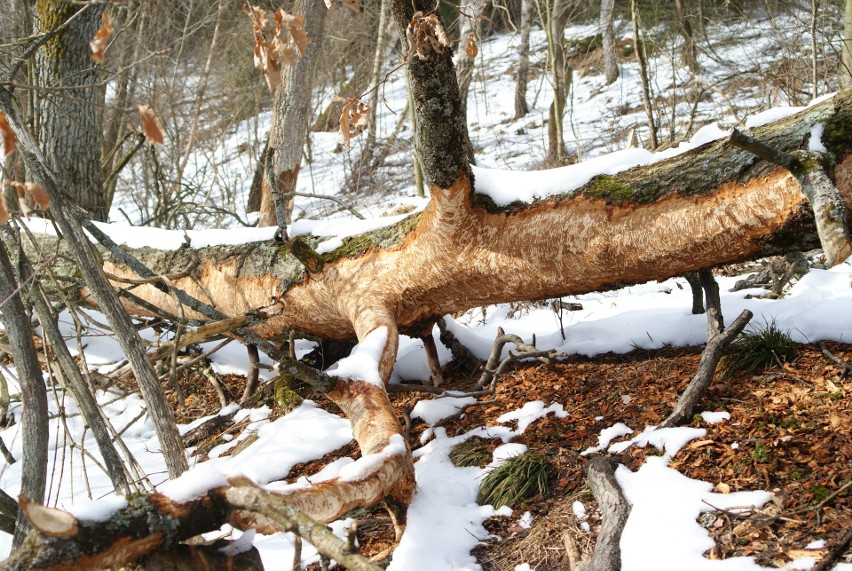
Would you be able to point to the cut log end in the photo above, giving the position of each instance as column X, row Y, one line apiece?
column 50, row 522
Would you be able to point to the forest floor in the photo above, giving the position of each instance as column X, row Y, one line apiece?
column 790, row 433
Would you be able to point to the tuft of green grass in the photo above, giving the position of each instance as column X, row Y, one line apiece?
column 519, row 477
column 760, row 454
column 756, row 349
column 471, row 452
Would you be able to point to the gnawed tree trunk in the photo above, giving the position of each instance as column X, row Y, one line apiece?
column 713, row 205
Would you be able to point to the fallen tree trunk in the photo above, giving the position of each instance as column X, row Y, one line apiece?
column 714, row 205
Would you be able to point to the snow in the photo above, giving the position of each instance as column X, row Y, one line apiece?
column 531, row 412
column 363, row 363
column 715, row 417
column 815, row 139
column 433, row 411
column 662, row 526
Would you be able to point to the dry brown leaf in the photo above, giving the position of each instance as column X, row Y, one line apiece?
column 722, row 488
column 471, row 50
column 31, row 197
column 296, row 27
column 7, row 134
column 4, row 212
column 280, row 38
column 354, row 118
column 354, row 5
column 99, row 42
column 150, row 124
column 425, row 34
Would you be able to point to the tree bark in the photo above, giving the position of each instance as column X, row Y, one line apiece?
column 522, row 73
column 639, row 50
column 561, row 76
column 292, row 114
column 608, row 40
column 33, row 392
column 69, row 109
column 846, row 52
column 684, row 24
column 614, row 508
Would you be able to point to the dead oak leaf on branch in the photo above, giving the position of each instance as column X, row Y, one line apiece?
column 4, row 211
column 99, row 43
column 471, row 50
column 7, row 134
column 31, row 197
column 150, row 124
column 354, row 118
column 280, row 39
column 425, row 35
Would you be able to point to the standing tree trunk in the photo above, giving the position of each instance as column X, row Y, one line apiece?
column 846, row 57
column 639, row 48
column 522, row 74
column 561, row 71
column 292, row 113
column 814, row 53
column 464, row 64
column 69, row 109
column 684, row 24
column 608, row 39
column 34, row 419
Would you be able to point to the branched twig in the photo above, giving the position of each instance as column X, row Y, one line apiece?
column 847, row 368
column 835, row 553
column 493, row 370
column 688, row 401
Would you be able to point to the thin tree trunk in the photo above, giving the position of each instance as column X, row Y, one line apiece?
column 379, row 57
column 557, row 18
column 201, row 92
column 846, row 56
column 70, row 103
column 292, row 113
column 419, row 187
column 464, row 64
column 522, row 74
column 684, row 15
column 34, row 421
column 608, row 38
column 639, row 48
column 72, row 377
column 814, row 54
